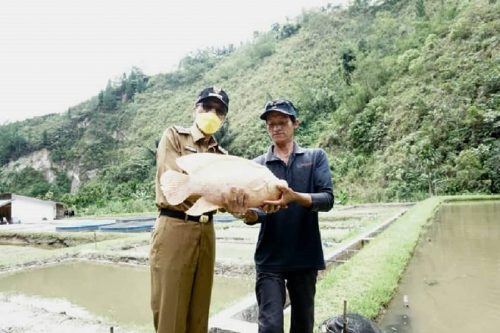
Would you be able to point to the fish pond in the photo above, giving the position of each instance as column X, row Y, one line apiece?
column 452, row 283
column 116, row 293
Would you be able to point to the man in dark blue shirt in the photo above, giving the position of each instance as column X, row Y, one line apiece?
column 289, row 252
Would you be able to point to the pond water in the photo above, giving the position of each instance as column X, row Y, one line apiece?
column 452, row 283
column 119, row 293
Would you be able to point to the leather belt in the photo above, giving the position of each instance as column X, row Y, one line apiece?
column 205, row 218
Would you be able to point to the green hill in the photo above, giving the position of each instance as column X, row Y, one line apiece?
column 403, row 96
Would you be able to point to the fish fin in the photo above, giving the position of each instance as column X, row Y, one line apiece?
column 201, row 206
column 192, row 162
column 174, row 186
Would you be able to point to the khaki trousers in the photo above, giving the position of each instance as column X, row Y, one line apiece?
column 182, row 258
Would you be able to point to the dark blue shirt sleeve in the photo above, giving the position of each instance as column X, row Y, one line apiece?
column 322, row 197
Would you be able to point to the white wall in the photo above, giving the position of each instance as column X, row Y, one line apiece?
column 31, row 210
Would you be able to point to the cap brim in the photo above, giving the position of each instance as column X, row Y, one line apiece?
column 263, row 116
column 213, row 98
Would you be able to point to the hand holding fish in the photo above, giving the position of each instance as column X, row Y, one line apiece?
column 236, row 201
column 271, row 208
column 287, row 195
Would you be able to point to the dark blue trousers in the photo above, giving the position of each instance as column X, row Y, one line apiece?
column 271, row 296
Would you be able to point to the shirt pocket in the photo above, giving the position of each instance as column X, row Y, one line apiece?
column 302, row 176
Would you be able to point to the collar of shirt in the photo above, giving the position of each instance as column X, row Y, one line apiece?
column 198, row 135
column 270, row 156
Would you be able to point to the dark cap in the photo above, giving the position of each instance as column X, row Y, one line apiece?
column 215, row 93
column 280, row 105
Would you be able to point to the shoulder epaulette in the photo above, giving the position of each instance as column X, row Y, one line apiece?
column 182, row 130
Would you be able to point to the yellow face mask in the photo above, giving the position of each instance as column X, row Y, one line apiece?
column 208, row 122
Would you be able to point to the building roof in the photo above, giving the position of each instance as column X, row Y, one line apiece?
column 7, row 196
column 4, row 202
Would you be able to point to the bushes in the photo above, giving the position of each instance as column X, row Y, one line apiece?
column 115, row 186
column 120, row 207
column 28, row 181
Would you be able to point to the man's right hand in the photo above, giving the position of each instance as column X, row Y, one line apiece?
column 236, row 201
column 250, row 217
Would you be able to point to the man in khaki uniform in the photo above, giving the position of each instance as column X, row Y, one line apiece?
column 182, row 254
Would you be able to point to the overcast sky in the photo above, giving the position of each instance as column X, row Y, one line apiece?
column 57, row 53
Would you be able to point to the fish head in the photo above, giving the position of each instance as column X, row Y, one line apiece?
column 273, row 187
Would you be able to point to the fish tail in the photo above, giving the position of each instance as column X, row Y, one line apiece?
column 174, row 186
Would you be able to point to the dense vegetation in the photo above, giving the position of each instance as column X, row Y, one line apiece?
column 403, row 96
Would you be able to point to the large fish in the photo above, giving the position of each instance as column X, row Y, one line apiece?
column 211, row 175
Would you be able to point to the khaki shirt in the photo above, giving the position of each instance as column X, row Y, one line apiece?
column 178, row 141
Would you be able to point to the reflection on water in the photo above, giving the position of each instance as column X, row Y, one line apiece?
column 452, row 283
column 120, row 293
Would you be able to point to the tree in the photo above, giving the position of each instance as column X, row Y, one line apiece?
column 348, row 66
column 420, row 9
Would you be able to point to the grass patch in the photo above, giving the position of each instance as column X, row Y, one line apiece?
column 69, row 238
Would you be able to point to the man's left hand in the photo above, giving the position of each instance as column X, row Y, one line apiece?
column 287, row 195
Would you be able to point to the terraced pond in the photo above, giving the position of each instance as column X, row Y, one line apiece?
column 115, row 293
column 119, row 294
column 452, row 282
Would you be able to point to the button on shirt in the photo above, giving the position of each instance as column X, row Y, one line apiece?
column 290, row 240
